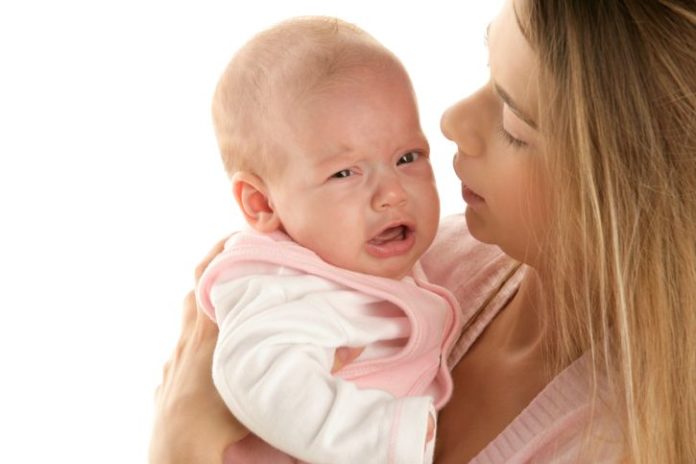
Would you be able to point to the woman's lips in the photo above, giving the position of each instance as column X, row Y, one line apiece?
column 470, row 197
column 392, row 241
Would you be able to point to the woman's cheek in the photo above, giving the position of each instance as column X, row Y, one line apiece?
column 457, row 165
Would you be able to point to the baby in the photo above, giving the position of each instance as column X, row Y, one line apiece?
column 319, row 131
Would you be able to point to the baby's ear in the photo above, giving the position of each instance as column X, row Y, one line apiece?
column 252, row 197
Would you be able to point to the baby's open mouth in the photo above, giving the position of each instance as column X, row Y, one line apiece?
column 392, row 241
column 390, row 234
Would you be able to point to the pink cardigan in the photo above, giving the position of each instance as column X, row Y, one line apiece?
column 552, row 429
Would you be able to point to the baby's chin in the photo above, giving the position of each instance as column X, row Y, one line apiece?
column 394, row 275
column 390, row 268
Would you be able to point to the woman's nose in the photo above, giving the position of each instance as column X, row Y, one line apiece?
column 447, row 121
column 389, row 193
column 464, row 124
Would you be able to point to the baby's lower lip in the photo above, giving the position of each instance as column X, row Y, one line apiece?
column 392, row 248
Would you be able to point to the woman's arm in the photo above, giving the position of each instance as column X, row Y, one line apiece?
column 192, row 424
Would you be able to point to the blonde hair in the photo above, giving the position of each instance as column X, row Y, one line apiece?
column 618, row 110
column 272, row 74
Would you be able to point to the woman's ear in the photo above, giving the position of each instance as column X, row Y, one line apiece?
column 252, row 197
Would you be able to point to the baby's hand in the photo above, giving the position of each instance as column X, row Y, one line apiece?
column 345, row 355
column 431, row 429
column 429, row 448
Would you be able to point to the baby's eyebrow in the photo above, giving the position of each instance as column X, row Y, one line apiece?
column 341, row 156
column 513, row 106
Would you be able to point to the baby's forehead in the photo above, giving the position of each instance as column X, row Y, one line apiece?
column 298, row 105
column 310, row 85
column 307, row 52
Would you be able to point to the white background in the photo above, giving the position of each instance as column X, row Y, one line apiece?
column 111, row 190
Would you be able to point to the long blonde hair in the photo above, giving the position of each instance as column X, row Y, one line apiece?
column 618, row 110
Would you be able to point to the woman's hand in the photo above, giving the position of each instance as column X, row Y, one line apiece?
column 192, row 424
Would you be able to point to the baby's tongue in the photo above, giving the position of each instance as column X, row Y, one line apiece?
column 393, row 233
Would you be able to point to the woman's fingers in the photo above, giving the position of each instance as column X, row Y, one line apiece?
column 192, row 424
column 193, row 319
column 189, row 314
column 216, row 250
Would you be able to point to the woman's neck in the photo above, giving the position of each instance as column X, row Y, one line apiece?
column 518, row 328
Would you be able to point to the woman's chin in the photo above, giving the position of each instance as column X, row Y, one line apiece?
column 477, row 227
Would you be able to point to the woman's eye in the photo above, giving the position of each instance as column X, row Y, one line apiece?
column 510, row 139
column 341, row 174
column 409, row 157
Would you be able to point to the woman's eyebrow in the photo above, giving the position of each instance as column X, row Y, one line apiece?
column 513, row 106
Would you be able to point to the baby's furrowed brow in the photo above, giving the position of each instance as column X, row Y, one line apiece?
column 338, row 159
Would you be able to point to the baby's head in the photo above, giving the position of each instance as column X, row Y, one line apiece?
column 319, row 131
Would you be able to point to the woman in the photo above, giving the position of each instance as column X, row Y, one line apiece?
column 578, row 160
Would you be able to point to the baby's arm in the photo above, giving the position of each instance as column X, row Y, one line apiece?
column 272, row 367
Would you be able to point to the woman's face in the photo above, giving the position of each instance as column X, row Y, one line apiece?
column 498, row 145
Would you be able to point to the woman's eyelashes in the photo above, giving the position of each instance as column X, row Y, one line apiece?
column 510, row 139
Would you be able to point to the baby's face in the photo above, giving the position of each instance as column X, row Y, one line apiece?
column 358, row 188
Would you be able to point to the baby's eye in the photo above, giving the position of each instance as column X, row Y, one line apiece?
column 409, row 157
column 341, row 174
